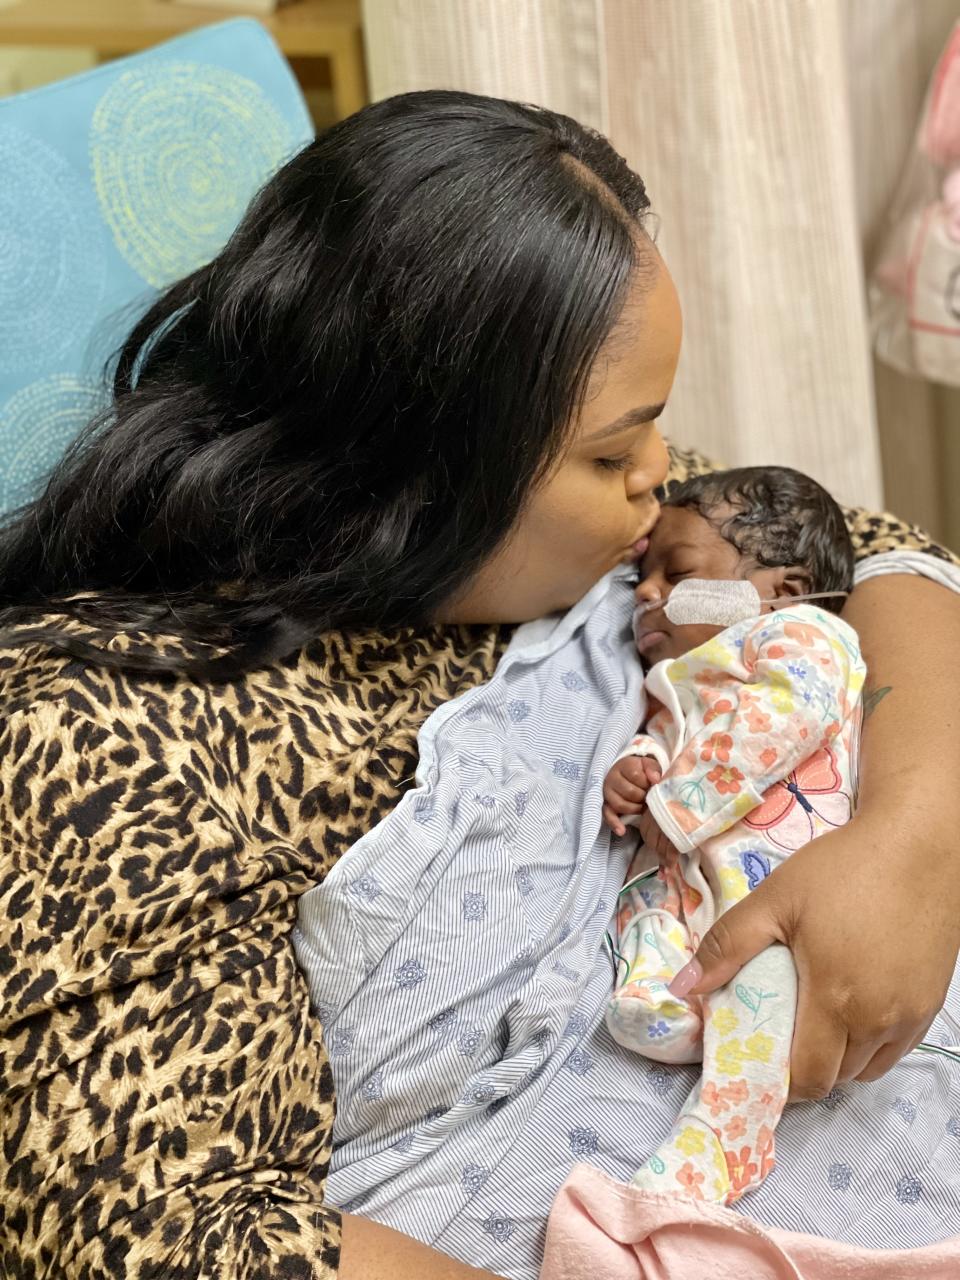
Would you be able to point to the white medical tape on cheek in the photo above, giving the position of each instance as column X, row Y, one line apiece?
column 712, row 602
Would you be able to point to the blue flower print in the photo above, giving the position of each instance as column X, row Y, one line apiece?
column 443, row 1025
column 474, row 906
column 327, row 1013
column 488, row 802
column 832, row 1099
column 657, row 1078
column 500, row 1227
column 573, row 681
column 366, row 887
column 480, row 1093
column 569, row 770
column 579, row 1063
column 409, row 975
column 584, row 1142
column 434, row 1114
column 468, row 1040
column 372, row 1088
column 905, row 1109
column 657, row 1029
column 473, row 713
column 541, row 1038
column 577, row 1024
column 523, row 881
column 564, row 971
column 340, row 1041
column 520, row 802
column 953, row 1126
column 422, row 810
column 518, row 710
column 522, row 959
column 473, row 1177
column 839, row 1177
column 404, row 1142
column 909, row 1189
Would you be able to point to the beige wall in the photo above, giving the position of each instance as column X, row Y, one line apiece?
column 25, row 68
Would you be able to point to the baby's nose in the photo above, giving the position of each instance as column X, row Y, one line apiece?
column 647, row 592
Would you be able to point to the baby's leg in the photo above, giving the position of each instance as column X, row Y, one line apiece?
column 653, row 946
column 722, row 1143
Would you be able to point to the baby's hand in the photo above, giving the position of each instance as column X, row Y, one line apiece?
column 625, row 789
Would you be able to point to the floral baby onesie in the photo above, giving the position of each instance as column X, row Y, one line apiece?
column 756, row 734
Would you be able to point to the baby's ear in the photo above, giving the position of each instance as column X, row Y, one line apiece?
column 794, row 580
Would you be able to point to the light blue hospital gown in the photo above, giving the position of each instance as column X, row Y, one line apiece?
column 458, row 958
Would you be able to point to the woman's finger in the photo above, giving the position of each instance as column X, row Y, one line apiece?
column 888, row 1056
column 819, row 1046
column 857, row 1057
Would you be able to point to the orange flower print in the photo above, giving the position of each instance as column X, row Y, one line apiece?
column 757, row 721
column 764, row 1140
column 722, row 707
column 726, row 779
column 768, row 757
column 719, row 745
column 805, row 636
column 716, row 1099
column 735, row 1128
column 741, row 1169
column 691, row 1180
column 737, row 1091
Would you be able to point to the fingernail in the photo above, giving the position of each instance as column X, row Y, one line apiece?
column 686, row 979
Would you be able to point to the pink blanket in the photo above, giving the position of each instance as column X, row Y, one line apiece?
column 601, row 1230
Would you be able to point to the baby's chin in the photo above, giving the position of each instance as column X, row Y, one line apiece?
column 675, row 643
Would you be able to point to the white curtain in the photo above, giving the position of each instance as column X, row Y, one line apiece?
column 770, row 134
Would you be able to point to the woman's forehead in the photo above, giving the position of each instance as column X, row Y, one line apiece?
column 638, row 361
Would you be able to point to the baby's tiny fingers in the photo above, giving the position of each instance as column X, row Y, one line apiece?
column 613, row 822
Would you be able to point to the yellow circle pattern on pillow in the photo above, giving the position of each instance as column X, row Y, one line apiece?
column 178, row 150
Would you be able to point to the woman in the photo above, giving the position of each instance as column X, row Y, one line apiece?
column 411, row 403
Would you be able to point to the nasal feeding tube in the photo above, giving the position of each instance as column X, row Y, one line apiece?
column 719, row 602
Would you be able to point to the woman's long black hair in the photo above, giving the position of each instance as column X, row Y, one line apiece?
column 338, row 419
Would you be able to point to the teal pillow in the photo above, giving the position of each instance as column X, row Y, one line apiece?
column 115, row 183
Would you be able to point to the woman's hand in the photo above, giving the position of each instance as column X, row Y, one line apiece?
column 871, row 913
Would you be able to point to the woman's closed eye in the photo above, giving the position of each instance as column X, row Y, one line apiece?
column 622, row 463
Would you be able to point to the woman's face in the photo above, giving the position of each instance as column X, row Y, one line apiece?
column 596, row 508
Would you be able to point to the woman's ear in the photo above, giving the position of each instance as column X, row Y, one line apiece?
column 793, row 580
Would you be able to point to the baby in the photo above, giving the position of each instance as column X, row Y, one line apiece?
column 748, row 753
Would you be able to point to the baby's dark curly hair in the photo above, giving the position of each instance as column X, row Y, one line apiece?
column 776, row 516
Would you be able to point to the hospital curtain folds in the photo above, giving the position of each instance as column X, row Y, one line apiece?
column 770, row 134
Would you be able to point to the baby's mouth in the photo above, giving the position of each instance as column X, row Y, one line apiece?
column 647, row 640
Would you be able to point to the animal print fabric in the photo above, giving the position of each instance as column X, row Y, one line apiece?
column 165, row 1096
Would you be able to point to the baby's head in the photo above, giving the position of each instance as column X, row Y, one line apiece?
column 771, row 526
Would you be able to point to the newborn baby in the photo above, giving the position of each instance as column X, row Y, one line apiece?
column 747, row 754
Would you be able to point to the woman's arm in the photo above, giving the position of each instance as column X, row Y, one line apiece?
column 872, row 911
column 371, row 1252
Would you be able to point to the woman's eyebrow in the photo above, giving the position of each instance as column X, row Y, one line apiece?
column 632, row 418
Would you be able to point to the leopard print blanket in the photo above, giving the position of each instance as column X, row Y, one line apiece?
column 165, row 1097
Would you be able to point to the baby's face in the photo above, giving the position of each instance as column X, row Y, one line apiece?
column 684, row 545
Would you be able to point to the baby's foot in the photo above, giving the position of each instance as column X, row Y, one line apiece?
column 691, row 1162
column 645, row 1017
